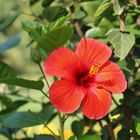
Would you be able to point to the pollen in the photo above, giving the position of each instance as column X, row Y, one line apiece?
column 93, row 70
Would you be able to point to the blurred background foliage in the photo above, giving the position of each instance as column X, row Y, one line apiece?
column 30, row 30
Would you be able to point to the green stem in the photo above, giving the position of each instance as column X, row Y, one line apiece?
column 115, row 101
column 61, row 122
column 51, row 131
column 45, row 94
column 44, row 75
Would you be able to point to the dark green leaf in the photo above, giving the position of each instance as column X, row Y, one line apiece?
column 56, row 38
column 9, row 21
column 90, row 137
column 9, row 43
column 6, row 71
column 6, row 101
column 53, row 12
column 101, row 11
column 27, row 119
column 44, row 137
column 72, row 138
column 13, row 106
column 46, row 3
column 77, row 128
column 38, row 85
column 32, row 2
column 122, row 42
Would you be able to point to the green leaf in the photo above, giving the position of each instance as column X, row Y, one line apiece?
column 6, row 71
column 46, row 3
column 32, row 2
column 56, row 38
column 27, row 119
column 72, row 138
column 49, row 37
column 101, row 11
column 9, row 43
column 38, row 85
column 44, row 137
column 117, row 7
column 35, row 29
column 137, row 124
column 78, row 14
column 94, row 32
column 77, row 128
column 9, row 21
column 138, row 128
column 90, row 137
column 38, row 54
column 59, row 22
column 51, row 13
column 122, row 43
column 13, row 106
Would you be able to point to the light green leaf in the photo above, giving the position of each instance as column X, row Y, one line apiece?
column 138, row 128
column 137, row 124
column 9, row 21
column 38, row 85
column 117, row 7
column 101, row 11
column 78, row 14
column 93, row 32
column 122, row 43
column 35, row 29
column 90, row 137
column 56, row 38
column 59, row 22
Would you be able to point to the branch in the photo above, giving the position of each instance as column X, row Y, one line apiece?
column 78, row 29
column 110, row 128
column 122, row 21
column 127, row 118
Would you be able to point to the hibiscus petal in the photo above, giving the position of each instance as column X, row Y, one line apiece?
column 93, row 52
column 96, row 103
column 66, row 96
column 111, row 77
column 62, row 62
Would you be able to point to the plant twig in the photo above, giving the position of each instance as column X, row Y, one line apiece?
column 44, row 75
column 122, row 21
column 51, row 131
column 115, row 101
column 127, row 118
column 61, row 122
column 78, row 29
column 45, row 94
column 110, row 128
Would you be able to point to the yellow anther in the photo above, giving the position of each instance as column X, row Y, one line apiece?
column 93, row 70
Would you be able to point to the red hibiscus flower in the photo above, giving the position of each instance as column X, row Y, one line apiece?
column 86, row 78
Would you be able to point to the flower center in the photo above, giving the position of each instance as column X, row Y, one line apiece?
column 86, row 77
column 93, row 70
